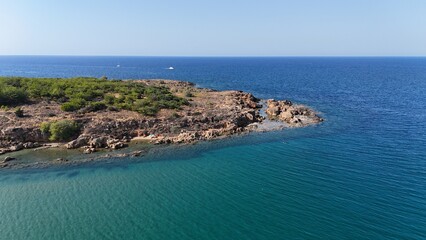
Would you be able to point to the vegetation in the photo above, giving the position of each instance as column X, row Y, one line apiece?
column 10, row 95
column 19, row 112
column 60, row 130
column 189, row 94
column 88, row 94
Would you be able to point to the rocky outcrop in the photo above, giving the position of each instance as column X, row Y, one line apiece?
column 17, row 146
column 20, row 135
column 19, row 138
column 293, row 115
column 92, row 143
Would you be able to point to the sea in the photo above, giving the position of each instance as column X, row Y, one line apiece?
column 361, row 174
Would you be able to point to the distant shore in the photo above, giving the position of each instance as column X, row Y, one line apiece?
column 183, row 114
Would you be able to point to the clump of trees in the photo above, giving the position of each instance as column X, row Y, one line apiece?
column 62, row 130
column 89, row 94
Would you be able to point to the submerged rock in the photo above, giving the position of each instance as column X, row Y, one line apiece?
column 8, row 159
column 61, row 160
column 136, row 153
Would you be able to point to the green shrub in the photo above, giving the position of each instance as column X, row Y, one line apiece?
column 57, row 92
column 95, row 106
column 189, row 94
column 10, row 95
column 45, row 127
column 13, row 81
column 62, row 130
column 73, row 105
column 112, row 108
column 19, row 112
column 109, row 99
column 148, row 110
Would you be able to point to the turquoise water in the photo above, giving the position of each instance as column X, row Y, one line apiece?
column 360, row 175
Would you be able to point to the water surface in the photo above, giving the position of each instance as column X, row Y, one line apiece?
column 359, row 175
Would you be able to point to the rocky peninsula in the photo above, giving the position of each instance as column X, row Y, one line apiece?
column 168, row 112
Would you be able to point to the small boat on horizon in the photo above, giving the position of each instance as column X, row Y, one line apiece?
column 118, row 65
column 171, row 68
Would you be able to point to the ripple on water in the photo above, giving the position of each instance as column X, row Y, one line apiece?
column 359, row 175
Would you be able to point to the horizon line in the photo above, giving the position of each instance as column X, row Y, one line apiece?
column 218, row 56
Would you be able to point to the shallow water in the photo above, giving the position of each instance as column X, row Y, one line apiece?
column 359, row 175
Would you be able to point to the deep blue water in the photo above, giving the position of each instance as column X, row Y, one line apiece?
column 359, row 175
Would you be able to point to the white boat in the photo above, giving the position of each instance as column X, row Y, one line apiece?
column 171, row 68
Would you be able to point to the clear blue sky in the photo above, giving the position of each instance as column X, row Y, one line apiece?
column 213, row 28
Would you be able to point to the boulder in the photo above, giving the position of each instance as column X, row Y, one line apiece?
column 13, row 132
column 89, row 150
column 295, row 120
column 273, row 110
column 99, row 142
column 79, row 142
column 285, row 116
column 28, row 145
column 3, row 151
column 186, row 137
column 117, row 145
column 212, row 133
column 17, row 147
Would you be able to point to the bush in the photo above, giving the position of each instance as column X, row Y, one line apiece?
column 45, row 127
column 96, row 106
column 112, row 109
column 93, row 107
column 109, row 99
column 73, row 105
column 62, row 130
column 189, row 94
column 19, row 112
column 148, row 110
column 10, row 95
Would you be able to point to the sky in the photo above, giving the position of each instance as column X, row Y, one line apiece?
column 213, row 28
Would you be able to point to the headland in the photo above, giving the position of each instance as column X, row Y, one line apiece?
column 94, row 115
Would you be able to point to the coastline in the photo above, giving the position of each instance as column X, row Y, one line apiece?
column 209, row 115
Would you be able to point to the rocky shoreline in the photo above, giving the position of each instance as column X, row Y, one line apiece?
column 209, row 115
